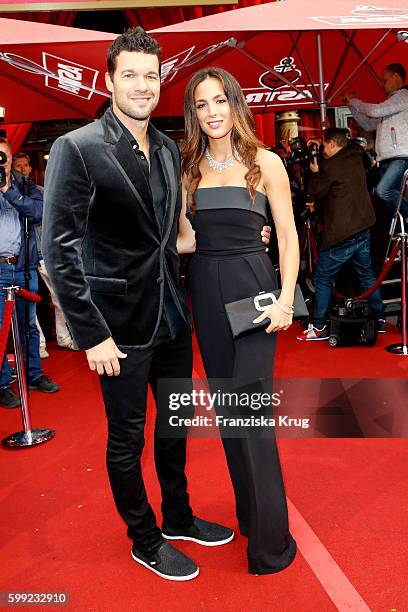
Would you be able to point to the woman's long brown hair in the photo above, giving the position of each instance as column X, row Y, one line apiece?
column 243, row 139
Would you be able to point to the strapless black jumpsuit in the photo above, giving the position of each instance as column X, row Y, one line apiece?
column 230, row 263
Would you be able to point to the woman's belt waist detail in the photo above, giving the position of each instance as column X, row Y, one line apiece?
column 230, row 252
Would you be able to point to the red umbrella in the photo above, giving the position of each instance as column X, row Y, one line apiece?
column 51, row 72
column 291, row 54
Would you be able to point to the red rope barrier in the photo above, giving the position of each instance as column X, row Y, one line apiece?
column 312, row 240
column 27, row 295
column 313, row 243
column 303, row 240
column 5, row 329
column 8, row 312
column 383, row 274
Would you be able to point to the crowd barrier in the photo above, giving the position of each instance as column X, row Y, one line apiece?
column 29, row 436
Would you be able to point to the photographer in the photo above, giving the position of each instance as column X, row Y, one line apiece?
column 338, row 186
column 298, row 161
column 22, row 168
column 14, row 207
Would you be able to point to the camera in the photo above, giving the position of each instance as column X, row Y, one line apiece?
column 298, row 150
column 353, row 309
column 298, row 167
column 313, row 151
column 303, row 153
column 3, row 160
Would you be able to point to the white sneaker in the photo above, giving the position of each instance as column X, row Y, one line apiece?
column 313, row 333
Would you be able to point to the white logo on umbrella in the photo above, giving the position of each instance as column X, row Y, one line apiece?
column 365, row 13
column 59, row 73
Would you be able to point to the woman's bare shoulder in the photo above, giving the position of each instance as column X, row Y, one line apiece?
column 268, row 159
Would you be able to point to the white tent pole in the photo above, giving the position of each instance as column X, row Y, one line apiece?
column 322, row 99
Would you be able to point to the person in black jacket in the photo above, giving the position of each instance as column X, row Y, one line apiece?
column 339, row 186
column 22, row 168
column 112, row 204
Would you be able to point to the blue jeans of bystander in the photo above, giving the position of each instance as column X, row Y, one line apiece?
column 389, row 186
column 356, row 248
column 9, row 276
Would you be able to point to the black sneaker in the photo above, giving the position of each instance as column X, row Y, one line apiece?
column 8, row 399
column 167, row 562
column 202, row 532
column 44, row 384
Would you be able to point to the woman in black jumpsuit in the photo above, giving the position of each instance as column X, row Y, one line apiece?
column 230, row 263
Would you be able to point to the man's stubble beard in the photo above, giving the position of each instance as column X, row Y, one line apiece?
column 132, row 113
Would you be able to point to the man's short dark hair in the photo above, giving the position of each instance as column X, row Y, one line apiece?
column 398, row 69
column 339, row 135
column 4, row 141
column 21, row 154
column 134, row 39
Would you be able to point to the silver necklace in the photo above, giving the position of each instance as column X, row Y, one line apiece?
column 219, row 166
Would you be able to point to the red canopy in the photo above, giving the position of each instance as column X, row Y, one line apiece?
column 55, row 72
column 51, row 72
column 291, row 54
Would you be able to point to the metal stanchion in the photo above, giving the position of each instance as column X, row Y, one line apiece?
column 28, row 437
column 401, row 348
column 397, row 215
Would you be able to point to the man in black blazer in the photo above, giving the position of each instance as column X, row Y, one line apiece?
column 112, row 203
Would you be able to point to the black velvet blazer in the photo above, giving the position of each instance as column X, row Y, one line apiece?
column 102, row 246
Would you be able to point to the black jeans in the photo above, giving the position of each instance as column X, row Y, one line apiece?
column 125, row 403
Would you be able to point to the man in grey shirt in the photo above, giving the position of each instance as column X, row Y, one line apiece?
column 390, row 119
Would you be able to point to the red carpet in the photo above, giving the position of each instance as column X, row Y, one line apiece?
column 60, row 531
